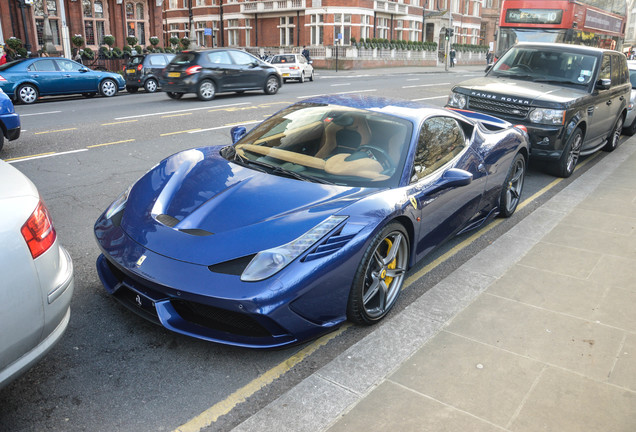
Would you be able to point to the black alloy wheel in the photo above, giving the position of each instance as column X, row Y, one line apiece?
column 615, row 135
column 565, row 166
column 512, row 187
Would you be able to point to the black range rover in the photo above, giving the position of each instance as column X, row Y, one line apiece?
column 572, row 99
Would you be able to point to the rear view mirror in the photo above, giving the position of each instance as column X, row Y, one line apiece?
column 604, row 84
column 237, row 132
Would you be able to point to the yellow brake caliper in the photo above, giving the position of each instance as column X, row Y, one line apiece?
column 391, row 265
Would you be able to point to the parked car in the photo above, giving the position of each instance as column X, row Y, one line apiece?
column 25, row 80
column 573, row 99
column 293, row 66
column 629, row 127
column 9, row 120
column 220, row 70
column 145, row 71
column 37, row 277
column 311, row 218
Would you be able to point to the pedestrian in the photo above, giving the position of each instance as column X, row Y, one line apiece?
column 3, row 59
column 452, row 57
column 305, row 53
column 77, row 56
column 489, row 57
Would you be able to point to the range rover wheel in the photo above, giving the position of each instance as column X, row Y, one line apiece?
column 615, row 135
column 564, row 167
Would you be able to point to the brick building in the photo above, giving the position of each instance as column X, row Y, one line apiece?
column 93, row 19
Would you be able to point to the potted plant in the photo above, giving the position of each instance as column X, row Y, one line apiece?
column 109, row 40
column 185, row 42
column 154, row 41
column 78, row 40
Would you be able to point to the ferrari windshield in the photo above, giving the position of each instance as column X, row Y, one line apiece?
column 329, row 144
column 544, row 65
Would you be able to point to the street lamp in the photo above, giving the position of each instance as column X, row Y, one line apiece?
column 22, row 6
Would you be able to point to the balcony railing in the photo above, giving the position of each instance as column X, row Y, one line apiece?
column 272, row 6
column 390, row 7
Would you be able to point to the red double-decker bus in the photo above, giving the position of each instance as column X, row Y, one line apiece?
column 599, row 23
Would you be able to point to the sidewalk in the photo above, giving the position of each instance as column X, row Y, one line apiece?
column 536, row 332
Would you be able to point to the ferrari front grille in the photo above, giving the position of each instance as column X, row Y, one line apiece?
column 171, row 221
column 219, row 319
column 498, row 108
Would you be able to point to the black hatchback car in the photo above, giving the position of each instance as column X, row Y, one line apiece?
column 145, row 71
column 213, row 71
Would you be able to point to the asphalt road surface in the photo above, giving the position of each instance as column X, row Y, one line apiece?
column 113, row 371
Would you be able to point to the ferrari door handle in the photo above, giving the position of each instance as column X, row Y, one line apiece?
column 67, row 75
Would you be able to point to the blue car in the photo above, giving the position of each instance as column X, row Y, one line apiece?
column 25, row 80
column 310, row 219
column 9, row 120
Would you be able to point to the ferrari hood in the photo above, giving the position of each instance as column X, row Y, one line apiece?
column 197, row 207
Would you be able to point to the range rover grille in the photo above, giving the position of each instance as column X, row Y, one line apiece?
column 498, row 108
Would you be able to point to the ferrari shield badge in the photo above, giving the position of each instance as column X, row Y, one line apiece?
column 414, row 202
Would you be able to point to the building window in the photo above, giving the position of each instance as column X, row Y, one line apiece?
column 54, row 20
column 174, row 31
column 287, row 31
column 342, row 26
column 199, row 30
column 232, row 32
column 94, row 24
column 365, row 29
column 173, row 4
column 383, row 28
column 316, row 29
column 135, row 21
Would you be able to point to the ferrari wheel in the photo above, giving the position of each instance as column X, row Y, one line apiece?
column 380, row 276
column 511, row 189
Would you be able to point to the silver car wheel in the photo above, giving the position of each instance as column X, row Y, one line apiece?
column 151, row 85
column 271, row 86
column 108, row 88
column 206, row 91
column 27, row 94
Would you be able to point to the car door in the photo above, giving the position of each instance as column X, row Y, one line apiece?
column 220, row 66
column 602, row 116
column 251, row 74
column 46, row 74
column 448, row 179
column 76, row 78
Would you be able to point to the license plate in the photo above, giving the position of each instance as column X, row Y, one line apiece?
column 130, row 71
column 285, row 74
column 174, row 74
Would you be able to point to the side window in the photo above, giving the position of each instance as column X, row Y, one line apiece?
column 44, row 66
column 219, row 57
column 68, row 66
column 606, row 68
column 440, row 140
column 242, row 58
column 158, row 60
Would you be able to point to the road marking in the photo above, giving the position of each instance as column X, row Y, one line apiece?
column 42, row 113
column 120, row 122
column 424, row 85
column 177, row 115
column 223, row 407
column 339, row 93
column 53, row 131
column 43, row 155
column 180, row 132
column 110, row 143
column 341, row 84
column 176, row 111
column 429, row 98
column 226, row 126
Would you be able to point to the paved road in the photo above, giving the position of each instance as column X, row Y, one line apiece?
column 114, row 371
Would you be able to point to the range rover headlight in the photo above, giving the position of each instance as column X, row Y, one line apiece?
column 457, row 100
column 547, row 116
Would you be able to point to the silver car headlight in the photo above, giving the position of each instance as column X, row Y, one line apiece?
column 547, row 116
column 269, row 262
column 457, row 100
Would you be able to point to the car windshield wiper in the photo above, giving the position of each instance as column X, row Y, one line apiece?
column 275, row 169
column 556, row 81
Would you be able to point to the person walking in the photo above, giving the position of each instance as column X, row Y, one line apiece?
column 452, row 57
column 305, row 53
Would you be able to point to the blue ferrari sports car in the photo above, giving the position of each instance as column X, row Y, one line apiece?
column 310, row 219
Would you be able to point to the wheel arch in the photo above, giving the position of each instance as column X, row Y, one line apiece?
column 21, row 83
column 407, row 223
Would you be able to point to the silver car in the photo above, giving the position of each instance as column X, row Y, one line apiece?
column 37, row 277
column 293, row 66
column 630, row 119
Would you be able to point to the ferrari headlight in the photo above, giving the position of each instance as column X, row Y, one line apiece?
column 547, row 116
column 457, row 100
column 119, row 204
column 269, row 262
